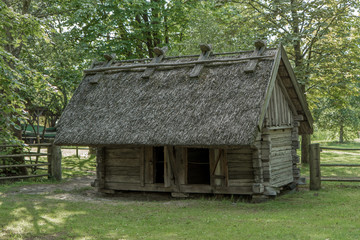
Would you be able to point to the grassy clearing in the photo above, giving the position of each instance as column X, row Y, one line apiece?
column 336, row 156
column 331, row 213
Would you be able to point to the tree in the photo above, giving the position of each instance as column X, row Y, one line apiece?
column 301, row 25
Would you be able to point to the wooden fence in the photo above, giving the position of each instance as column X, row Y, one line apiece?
column 315, row 165
column 53, row 163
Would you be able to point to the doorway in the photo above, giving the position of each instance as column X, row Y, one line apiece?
column 198, row 166
column 158, row 156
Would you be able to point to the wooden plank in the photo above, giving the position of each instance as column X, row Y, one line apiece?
column 260, row 47
column 338, row 165
column 195, row 72
column 26, row 145
column 340, row 149
column 314, row 162
column 25, row 155
column 124, row 153
column 160, row 54
column 167, row 168
column 340, row 179
column 122, row 179
column 142, row 166
column 171, row 64
column 100, row 168
column 123, row 171
column 149, row 165
column 23, row 176
column 286, row 95
column 122, row 162
column 24, row 165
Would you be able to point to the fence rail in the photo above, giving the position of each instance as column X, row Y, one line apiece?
column 315, row 175
column 53, row 163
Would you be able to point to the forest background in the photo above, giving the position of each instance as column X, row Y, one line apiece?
column 46, row 45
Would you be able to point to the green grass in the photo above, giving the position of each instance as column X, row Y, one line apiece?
column 73, row 166
column 331, row 213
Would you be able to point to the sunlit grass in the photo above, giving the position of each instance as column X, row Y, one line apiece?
column 331, row 213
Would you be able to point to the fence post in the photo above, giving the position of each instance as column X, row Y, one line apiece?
column 54, row 170
column 315, row 174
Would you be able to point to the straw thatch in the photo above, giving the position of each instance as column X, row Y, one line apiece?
column 220, row 107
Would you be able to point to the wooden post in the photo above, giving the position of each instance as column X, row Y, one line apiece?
column 315, row 174
column 54, row 170
column 77, row 151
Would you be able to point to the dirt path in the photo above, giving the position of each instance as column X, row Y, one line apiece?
column 79, row 189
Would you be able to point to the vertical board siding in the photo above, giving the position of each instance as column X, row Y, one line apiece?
column 278, row 113
column 123, row 165
column 240, row 166
column 281, row 159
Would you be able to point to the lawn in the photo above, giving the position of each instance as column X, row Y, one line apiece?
column 331, row 213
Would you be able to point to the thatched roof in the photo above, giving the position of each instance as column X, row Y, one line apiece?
column 222, row 106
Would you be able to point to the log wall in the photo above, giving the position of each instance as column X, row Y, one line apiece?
column 123, row 165
column 280, row 159
column 240, row 167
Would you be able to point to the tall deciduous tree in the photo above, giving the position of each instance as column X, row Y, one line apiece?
column 301, row 25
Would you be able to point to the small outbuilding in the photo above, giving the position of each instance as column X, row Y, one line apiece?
column 223, row 123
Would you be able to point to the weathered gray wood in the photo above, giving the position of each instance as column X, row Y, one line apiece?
column 224, row 60
column 260, row 47
column 142, row 166
column 206, row 50
column 315, row 174
column 27, row 145
column 160, row 54
column 24, row 176
column 100, row 166
column 54, row 159
column 24, row 165
column 338, row 165
column 149, row 165
column 340, row 149
column 24, row 155
column 272, row 80
column 342, row 179
column 123, row 179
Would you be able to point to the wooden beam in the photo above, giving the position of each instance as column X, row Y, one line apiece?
column 25, row 155
column 205, row 53
column 160, row 54
column 286, row 94
column 260, row 47
column 224, row 60
column 24, row 165
column 23, row 176
column 270, row 89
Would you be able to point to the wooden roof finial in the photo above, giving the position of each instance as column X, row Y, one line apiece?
column 160, row 54
column 205, row 53
column 260, row 47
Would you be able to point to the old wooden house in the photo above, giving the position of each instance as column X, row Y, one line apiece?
column 223, row 123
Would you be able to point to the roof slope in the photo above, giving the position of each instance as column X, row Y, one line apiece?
column 221, row 107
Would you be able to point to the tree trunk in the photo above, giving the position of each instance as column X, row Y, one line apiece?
column 305, row 150
column 341, row 134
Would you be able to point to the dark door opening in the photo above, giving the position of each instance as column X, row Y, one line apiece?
column 158, row 164
column 198, row 166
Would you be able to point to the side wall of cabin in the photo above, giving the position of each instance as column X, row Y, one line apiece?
column 280, row 139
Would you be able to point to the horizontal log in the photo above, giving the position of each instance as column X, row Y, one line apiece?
column 339, row 165
column 23, row 176
column 337, row 179
column 27, row 145
column 25, row 155
column 122, row 179
column 103, row 69
column 24, row 165
column 118, row 162
column 340, row 149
